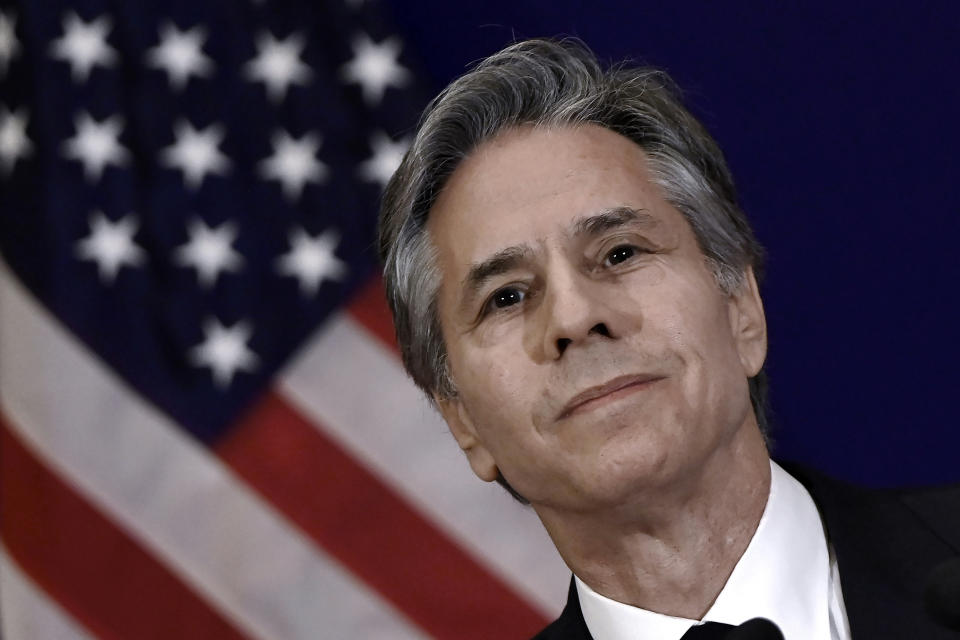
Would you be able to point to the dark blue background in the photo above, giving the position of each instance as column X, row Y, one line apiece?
column 841, row 125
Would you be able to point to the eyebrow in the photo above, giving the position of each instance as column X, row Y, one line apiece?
column 613, row 218
column 514, row 257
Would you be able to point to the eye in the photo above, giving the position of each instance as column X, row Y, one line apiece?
column 506, row 298
column 620, row 253
column 503, row 298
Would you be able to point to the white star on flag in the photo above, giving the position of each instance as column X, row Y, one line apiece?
column 9, row 46
column 14, row 143
column 312, row 260
column 225, row 351
column 96, row 144
column 209, row 251
column 293, row 162
column 84, row 45
column 375, row 66
column 278, row 64
column 180, row 54
column 386, row 157
column 195, row 153
column 111, row 245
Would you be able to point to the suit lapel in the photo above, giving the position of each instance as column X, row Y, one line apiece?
column 570, row 625
column 884, row 554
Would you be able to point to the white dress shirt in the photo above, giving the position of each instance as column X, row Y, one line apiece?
column 787, row 574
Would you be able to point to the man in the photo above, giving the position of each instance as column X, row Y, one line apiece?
column 575, row 286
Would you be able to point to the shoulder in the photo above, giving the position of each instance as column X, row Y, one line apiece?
column 938, row 508
column 933, row 509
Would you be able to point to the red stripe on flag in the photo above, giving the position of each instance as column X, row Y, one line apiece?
column 369, row 308
column 86, row 563
column 371, row 530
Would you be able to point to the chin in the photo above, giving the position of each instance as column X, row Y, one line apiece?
column 636, row 465
column 610, row 481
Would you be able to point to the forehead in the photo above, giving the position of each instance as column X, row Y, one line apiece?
column 529, row 185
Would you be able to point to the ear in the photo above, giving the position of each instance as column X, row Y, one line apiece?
column 749, row 325
column 461, row 426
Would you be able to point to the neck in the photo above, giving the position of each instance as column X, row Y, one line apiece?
column 671, row 549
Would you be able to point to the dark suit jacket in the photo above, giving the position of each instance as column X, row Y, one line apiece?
column 886, row 541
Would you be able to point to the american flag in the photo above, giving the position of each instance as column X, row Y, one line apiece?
column 206, row 431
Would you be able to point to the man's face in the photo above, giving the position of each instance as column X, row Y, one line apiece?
column 593, row 352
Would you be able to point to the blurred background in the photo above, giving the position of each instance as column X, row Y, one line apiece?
column 204, row 427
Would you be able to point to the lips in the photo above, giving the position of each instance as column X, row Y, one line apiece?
column 605, row 389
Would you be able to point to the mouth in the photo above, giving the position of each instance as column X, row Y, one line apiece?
column 594, row 396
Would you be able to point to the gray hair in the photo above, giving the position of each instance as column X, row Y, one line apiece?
column 549, row 83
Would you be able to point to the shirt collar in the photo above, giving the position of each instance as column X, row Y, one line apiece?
column 783, row 575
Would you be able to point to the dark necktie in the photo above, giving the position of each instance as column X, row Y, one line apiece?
column 707, row 631
column 756, row 628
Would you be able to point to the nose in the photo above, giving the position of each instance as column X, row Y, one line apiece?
column 574, row 311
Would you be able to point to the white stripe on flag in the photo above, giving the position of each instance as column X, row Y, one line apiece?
column 28, row 614
column 345, row 380
column 168, row 492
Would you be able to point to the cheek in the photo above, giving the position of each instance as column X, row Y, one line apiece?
column 498, row 335
column 717, row 381
column 497, row 386
column 694, row 324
